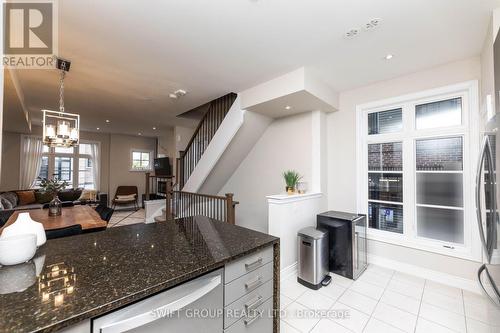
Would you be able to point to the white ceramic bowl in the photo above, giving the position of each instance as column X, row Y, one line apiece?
column 17, row 249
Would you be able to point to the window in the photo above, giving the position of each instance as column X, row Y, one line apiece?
column 385, row 121
column 74, row 165
column 141, row 160
column 385, row 186
column 415, row 168
column 439, row 114
column 63, row 168
column 439, row 189
column 85, row 173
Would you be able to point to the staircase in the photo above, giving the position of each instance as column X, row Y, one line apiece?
column 203, row 135
column 177, row 202
column 223, row 138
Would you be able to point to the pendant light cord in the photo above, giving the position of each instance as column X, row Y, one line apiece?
column 61, row 90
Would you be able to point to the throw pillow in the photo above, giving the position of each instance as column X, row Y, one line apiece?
column 26, row 197
column 126, row 197
column 11, row 197
column 6, row 204
column 43, row 197
column 70, row 194
column 88, row 195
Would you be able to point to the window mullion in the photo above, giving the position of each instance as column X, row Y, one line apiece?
column 409, row 188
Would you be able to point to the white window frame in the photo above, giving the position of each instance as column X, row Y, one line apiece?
column 150, row 152
column 468, row 91
column 75, row 156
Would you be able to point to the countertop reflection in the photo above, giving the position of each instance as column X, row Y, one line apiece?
column 90, row 274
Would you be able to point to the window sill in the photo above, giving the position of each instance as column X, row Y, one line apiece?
column 436, row 247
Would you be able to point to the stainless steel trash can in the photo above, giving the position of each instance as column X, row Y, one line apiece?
column 312, row 257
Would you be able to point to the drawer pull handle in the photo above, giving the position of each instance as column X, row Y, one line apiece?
column 251, row 320
column 254, row 283
column 253, row 304
column 249, row 266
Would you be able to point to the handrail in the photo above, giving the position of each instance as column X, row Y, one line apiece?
column 187, row 204
column 205, row 131
column 208, row 195
column 180, row 204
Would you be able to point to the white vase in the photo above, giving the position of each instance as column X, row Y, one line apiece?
column 25, row 225
column 17, row 249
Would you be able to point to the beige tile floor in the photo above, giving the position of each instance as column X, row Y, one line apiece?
column 121, row 218
column 383, row 300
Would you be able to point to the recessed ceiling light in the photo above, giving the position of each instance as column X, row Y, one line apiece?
column 154, row 128
column 139, row 133
column 288, row 107
column 373, row 23
column 97, row 128
column 389, row 56
column 107, row 120
column 352, row 33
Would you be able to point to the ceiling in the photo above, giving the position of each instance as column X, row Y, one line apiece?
column 128, row 55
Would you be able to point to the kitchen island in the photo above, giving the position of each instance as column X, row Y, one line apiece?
column 75, row 279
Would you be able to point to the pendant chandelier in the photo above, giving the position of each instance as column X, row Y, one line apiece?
column 61, row 129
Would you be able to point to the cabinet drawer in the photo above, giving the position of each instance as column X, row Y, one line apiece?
column 263, row 323
column 247, row 264
column 250, row 301
column 247, row 283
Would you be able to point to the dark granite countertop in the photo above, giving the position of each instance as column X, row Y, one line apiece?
column 102, row 271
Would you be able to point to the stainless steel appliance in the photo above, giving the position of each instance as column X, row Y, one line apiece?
column 313, row 257
column 487, row 204
column 194, row 306
column 346, row 242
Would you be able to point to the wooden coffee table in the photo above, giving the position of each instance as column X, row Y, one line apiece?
column 84, row 215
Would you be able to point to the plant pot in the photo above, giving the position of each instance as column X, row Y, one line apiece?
column 290, row 190
column 301, row 187
column 55, row 206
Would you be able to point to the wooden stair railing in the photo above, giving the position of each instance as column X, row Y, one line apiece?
column 202, row 136
column 187, row 204
column 179, row 204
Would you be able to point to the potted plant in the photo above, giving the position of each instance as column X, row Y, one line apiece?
column 292, row 177
column 53, row 186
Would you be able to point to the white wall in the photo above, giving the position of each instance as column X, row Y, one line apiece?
column 286, row 144
column 289, row 214
column 342, row 154
column 487, row 86
column 166, row 144
column 120, row 163
column 182, row 136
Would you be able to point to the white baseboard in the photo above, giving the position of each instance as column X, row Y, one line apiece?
column 288, row 271
column 425, row 273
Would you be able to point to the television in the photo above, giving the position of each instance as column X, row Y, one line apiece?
column 162, row 167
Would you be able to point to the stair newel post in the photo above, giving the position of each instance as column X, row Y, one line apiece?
column 148, row 175
column 168, row 206
column 230, row 218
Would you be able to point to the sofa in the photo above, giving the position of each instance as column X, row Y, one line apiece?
column 36, row 199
